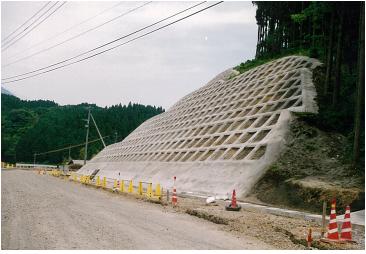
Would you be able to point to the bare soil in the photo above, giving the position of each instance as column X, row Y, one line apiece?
column 313, row 168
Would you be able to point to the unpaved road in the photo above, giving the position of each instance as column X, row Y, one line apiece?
column 44, row 212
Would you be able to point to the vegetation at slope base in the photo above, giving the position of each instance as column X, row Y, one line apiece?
column 30, row 127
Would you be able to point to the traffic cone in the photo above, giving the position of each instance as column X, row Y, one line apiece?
column 174, row 196
column 333, row 227
column 309, row 237
column 233, row 200
column 346, row 231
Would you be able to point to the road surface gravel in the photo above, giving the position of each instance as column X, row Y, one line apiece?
column 45, row 212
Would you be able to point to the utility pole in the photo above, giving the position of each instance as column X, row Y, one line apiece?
column 87, row 136
column 115, row 137
column 34, row 160
column 69, row 153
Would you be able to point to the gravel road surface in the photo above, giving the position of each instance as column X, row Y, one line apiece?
column 45, row 212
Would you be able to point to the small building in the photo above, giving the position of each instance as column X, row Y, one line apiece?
column 74, row 165
column 76, row 162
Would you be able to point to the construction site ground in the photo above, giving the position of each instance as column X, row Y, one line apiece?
column 46, row 212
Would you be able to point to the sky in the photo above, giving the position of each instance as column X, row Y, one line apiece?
column 158, row 69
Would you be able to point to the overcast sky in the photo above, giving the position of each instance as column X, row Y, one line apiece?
column 158, row 69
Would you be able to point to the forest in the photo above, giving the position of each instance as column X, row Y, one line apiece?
column 334, row 33
column 30, row 127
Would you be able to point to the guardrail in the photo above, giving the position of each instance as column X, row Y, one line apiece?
column 143, row 189
column 25, row 165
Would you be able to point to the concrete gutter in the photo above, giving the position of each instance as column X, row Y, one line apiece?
column 357, row 218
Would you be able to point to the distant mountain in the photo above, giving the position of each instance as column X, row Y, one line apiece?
column 4, row 91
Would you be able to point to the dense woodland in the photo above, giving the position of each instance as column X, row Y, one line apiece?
column 30, row 127
column 332, row 32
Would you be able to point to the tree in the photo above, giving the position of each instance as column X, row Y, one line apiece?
column 360, row 86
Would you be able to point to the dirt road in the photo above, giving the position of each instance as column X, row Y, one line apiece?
column 44, row 212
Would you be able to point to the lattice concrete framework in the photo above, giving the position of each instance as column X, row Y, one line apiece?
column 219, row 137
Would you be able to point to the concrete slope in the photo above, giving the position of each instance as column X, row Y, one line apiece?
column 220, row 137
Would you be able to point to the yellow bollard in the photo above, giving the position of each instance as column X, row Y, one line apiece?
column 130, row 187
column 104, row 182
column 158, row 191
column 149, row 190
column 122, row 186
column 97, row 183
column 115, row 184
column 140, row 188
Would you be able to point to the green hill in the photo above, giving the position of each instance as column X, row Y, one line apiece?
column 30, row 127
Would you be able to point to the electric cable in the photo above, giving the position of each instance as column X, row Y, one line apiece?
column 13, row 42
column 83, row 59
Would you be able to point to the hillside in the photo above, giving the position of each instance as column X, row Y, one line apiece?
column 325, row 154
column 38, row 126
column 5, row 91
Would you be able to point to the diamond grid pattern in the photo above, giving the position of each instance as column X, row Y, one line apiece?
column 226, row 120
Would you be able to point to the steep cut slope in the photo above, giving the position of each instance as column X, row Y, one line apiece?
column 219, row 137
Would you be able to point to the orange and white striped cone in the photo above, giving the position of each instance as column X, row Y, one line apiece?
column 346, row 231
column 333, row 226
column 174, row 196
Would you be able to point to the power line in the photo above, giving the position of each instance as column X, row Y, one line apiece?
column 6, row 37
column 66, row 30
column 68, row 147
column 78, row 35
column 120, row 38
column 29, row 26
column 83, row 59
column 12, row 43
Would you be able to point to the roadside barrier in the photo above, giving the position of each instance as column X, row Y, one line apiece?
column 130, row 187
column 7, row 165
column 144, row 189
column 332, row 235
column 139, row 191
column 174, row 196
column 158, row 191
column 346, row 231
column 104, row 182
column 309, row 238
column 149, row 190
column 333, row 227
